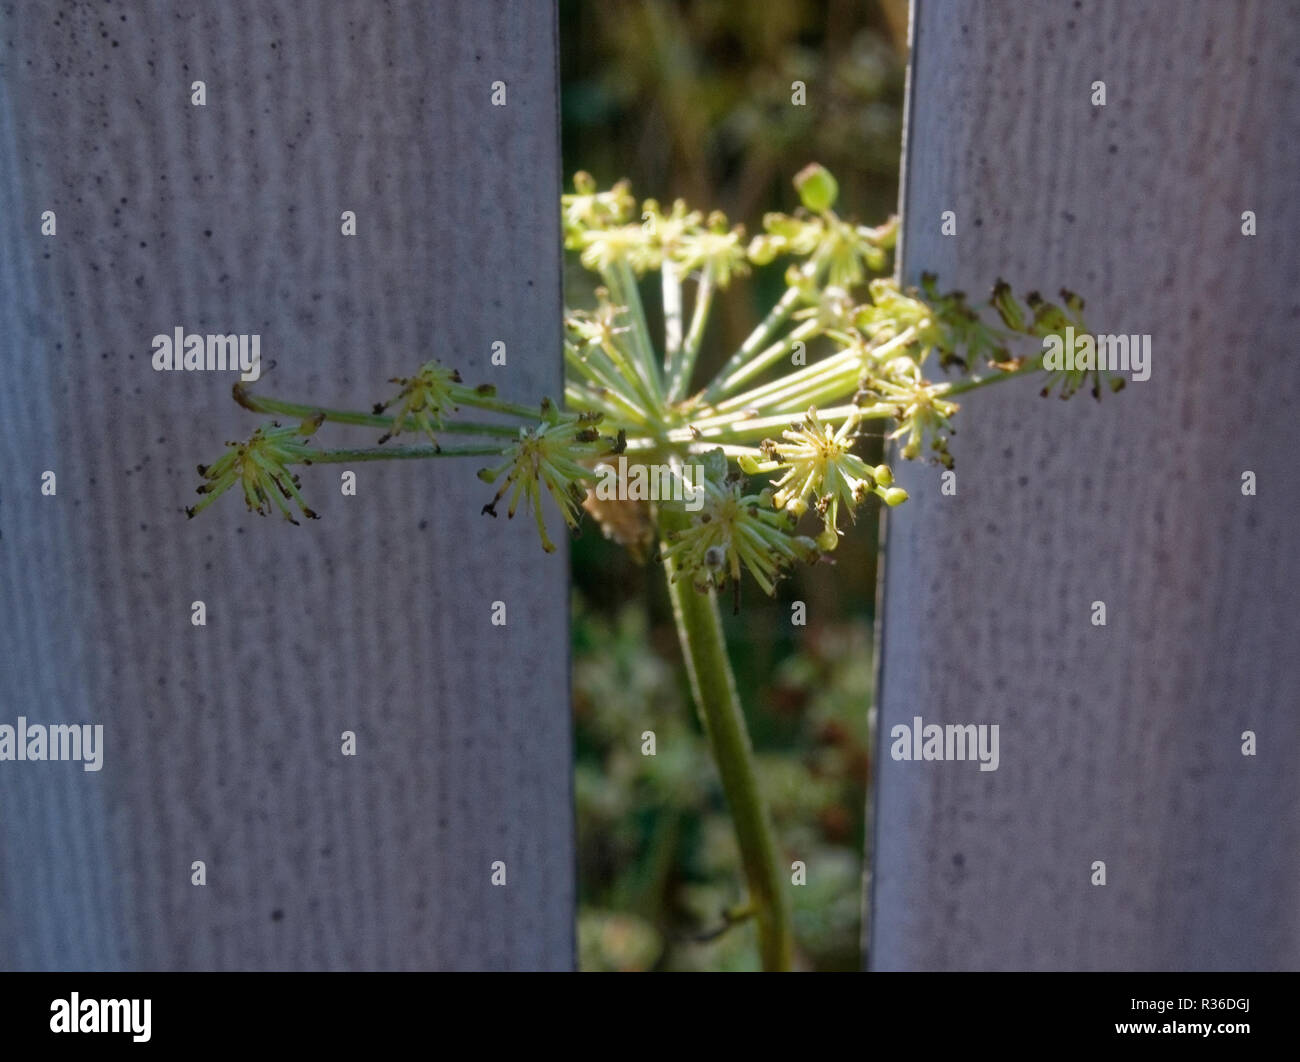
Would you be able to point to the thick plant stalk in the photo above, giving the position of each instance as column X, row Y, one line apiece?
column 699, row 629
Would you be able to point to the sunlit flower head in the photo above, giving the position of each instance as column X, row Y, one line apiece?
column 716, row 247
column 586, row 208
column 424, row 399
column 735, row 530
column 599, row 327
column 260, row 465
column 550, row 457
column 820, row 467
column 921, row 411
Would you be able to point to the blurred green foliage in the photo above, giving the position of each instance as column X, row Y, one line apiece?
column 657, row 860
column 692, row 99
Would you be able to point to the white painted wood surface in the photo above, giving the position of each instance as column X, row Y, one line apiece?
column 223, row 743
column 1119, row 743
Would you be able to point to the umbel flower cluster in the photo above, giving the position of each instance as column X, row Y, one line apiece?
column 778, row 428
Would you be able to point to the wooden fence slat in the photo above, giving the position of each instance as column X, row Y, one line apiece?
column 1120, row 743
column 223, row 743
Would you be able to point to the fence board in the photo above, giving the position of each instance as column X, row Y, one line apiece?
column 1120, row 743
column 223, row 743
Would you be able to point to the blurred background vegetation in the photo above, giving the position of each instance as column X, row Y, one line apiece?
column 693, row 100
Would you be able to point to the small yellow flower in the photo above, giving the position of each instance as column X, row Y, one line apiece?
column 586, row 208
column 891, row 312
column 848, row 250
column 820, row 464
column 717, row 247
column 734, row 530
column 669, row 230
column 817, row 188
column 598, row 327
column 921, row 410
column 550, row 457
column 424, row 397
column 835, row 313
column 852, row 253
column 786, row 235
column 260, row 466
column 606, row 247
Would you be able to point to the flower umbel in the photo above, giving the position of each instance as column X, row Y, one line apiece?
column 819, row 463
column 424, row 397
column 835, row 341
column 735, row 529
column 921, row 410
column 715, row 247
column 841, row 348
column 588, row 208
column 260, row 466
column 550, row 456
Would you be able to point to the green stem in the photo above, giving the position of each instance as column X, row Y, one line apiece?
column 841, row 368
column 672, row 292
column 609, row 392
column 267, row 404
column 726, row 380
column 621, row 282
column 583, row 399
column 684, row 367
column 973, row 383
column 729, row 375
column 778, row 351
column 755, row 429
column 699, row 629
column 497, row 405
column 390, row 453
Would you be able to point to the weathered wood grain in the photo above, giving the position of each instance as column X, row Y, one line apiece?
column 1119, row 743
column 223, row 743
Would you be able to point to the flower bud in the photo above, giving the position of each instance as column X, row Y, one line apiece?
column 1007, row 306
column 883, row 475
column 783, row 226
column 828, row 540
column 817, row 188
column 763, row 249
column 895, row 496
